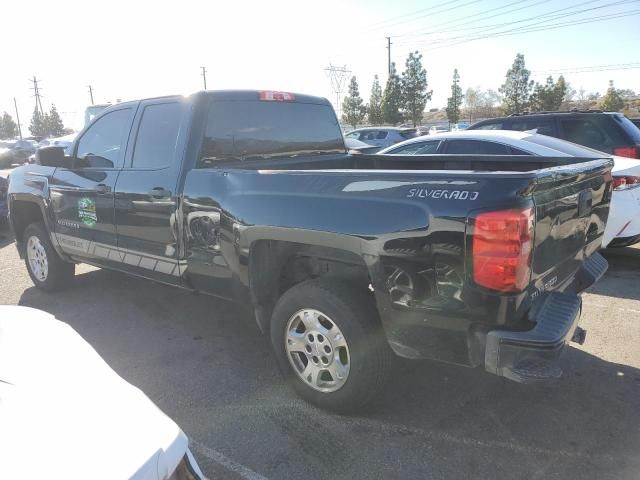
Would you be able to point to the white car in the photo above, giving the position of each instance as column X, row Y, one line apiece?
column 623, row 225
column 434, row 130
column 64, row 413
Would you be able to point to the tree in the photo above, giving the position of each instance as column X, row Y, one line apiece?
column 455, row 100
column 517, row 87
column 392, row 98
column 37, row 126
column 414, row 88
column 612, row 100
column 53, row 123
column 550, row 96
column 471, row 103
column 375, row 103
column 8, row 127
column 626, row 92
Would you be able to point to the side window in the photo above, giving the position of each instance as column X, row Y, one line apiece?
column 410, row 149
column 381, row 135
column 476, row 147
column 517, row 151
column 583, row 132
column 353, row 135
column 368, row 136
column 101, row 144
column 490, row 126
column 543, row 126
column 157, row 135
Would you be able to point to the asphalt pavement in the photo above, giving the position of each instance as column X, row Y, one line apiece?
column 204, row 363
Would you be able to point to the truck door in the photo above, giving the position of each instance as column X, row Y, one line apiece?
column 82, row 195
column 146, row 191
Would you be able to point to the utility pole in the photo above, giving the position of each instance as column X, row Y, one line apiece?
column 337, row 76
column 389, row 55
column 204, row 76
column 15, row 104
column 36, row 91
column 91, row 94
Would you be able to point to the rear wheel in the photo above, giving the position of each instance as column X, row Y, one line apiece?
column 46, row 269
column 329, row 344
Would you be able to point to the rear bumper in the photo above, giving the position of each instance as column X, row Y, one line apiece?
column 532, row 355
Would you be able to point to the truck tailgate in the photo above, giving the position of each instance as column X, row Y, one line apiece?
column 571, row 207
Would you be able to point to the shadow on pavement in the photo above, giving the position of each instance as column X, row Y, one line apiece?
column 621, row 279
column 204, row 362
column 6, row 237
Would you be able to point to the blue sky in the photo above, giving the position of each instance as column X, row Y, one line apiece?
column 128, row 49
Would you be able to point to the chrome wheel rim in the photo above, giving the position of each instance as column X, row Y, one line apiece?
column 317, row 350
column 37, row 257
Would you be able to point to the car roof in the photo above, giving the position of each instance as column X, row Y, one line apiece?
column 546, row 114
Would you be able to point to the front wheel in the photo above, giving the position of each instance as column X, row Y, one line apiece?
column 46, row 269
column 329, row 344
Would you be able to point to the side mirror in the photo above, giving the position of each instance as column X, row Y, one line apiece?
column 51, row 157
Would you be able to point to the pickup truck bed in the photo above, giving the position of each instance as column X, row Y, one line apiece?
column 471, row 260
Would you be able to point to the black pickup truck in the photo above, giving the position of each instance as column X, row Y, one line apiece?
column 343, row 259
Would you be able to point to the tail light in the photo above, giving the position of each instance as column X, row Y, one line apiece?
column 631, row 152
column 502, row 246
column 270, row 96
column 625, row 182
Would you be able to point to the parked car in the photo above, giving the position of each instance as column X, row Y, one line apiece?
column 17, row 151
column 635, row 121
column 251, row 196
column 4, row 211
column 356, row 146
column 83, row 420
column 606, row 132
column 435, row 129
column 623, row 226
column 381, row 136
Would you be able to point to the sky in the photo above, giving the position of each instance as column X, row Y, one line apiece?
column 129, row 49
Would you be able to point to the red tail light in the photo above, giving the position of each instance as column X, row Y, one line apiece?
column 270, row 96
column 502, row 245
column 631, row 152
column 625, row 182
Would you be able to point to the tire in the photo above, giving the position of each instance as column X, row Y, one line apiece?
column 360, row 357
column 46, row 269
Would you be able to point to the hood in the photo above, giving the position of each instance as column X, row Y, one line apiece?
column 66, row 414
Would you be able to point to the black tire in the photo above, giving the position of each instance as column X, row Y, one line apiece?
column 59, row 273
column 353, row 312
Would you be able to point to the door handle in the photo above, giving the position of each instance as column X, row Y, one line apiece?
column 101, row 189
column 159, row 192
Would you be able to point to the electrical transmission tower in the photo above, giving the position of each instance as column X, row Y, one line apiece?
column 338, row 77
column 36, row 91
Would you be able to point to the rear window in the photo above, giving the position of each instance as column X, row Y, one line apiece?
column 631, row 127
column 250, row 130
column 595, row 131
column 564, row 147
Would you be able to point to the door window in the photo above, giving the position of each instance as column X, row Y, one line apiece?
column 584, row 132
column 157, row 135
column 476, row 147
column 543, row 126
column 418, row 148
column 381, row 135
column 101, row 144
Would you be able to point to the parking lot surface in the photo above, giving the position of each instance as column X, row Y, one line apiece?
column 204, row 363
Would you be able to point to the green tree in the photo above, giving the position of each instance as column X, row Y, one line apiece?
column 8, row 128
column 392, row 98
column 374, row 109
column 612, row 100
column 353, row 109
column 414, row 88
column 455, row 100
column 517, row 87
column 37, row 126
column 548, row 97
column 53, row 123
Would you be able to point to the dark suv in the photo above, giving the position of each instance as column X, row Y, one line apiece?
column 607, row 132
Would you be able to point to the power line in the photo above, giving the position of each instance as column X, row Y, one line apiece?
column 453, row 41
column 430, row 14
column 552, row 15
column 456, row 21
column 589, row 69
column 381, row 23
